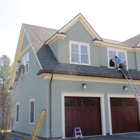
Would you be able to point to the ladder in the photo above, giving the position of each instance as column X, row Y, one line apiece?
column 5, row 108
column 38, row 125
column 77, row 133
column 133, row 87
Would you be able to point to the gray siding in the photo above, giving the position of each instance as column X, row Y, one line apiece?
column 131, row 60
column 63, row 86
column 25, row 43
column 103, row 57
column 31, row 86
column 138, row 60
column 54, row 48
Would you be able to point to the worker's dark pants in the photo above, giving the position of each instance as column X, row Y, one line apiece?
column 122, row 66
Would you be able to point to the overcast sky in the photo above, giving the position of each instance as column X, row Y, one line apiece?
column 112, row 19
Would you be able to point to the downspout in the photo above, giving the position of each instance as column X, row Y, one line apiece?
column 50, row 94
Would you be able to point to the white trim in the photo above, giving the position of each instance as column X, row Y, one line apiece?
column 27, row 54
column 31, row 100
column 32, row 47
column 18, row 112
column 79, row 94
column 80, row 18
column 79, row 52
column 116, row 50
column 109, row 108
column 138, row 44
column 117, row 46
column 56, row 35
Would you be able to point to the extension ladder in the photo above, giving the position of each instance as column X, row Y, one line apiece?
column 77, row 133
column 5, row 108
column 133, row 87
column 38, row 125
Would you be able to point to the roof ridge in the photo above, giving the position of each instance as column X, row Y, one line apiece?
column 38, row 26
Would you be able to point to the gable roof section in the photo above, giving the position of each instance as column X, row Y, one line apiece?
column 38, row 35
column 132, row 42
column 84, row 22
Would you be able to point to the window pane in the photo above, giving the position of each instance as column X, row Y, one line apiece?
column 27, row 59
column 84, row 49
column 32, row 112
column 112, row 54
column 121, row 55
column 74, row 58
column 17, row 118
column 74, row 48
column 32, row 106
column 84, row 59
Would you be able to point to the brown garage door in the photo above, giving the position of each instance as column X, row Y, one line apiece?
column 84, row 113
column 124, row 114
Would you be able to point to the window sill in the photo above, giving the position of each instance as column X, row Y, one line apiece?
column 31, row 123
column 80, row 64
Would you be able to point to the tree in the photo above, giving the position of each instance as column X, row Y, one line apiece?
column 5, row 71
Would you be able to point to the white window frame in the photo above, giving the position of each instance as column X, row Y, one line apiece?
column 31, row 100
column 25, row 65
column 79, row 52
column 17, row 104
column 117, row 50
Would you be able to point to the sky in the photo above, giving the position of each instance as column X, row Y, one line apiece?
column 112, row 19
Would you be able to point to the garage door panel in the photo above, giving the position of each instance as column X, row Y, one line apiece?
column 135, row 124
column 124, row 115
column 95, row 115
column 127, row 120
column 119, row 120
column 114, row 122
column 69, row 121
column 77, row 113
column 85, row 113
column 86, row 125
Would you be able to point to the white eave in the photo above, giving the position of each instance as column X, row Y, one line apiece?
column 54, row 38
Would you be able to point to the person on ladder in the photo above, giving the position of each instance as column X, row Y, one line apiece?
column 120, row 64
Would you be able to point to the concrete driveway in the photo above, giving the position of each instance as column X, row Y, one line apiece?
column 132, row 136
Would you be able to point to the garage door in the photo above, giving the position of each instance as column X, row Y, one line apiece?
column 82, row 112
column 124, row 114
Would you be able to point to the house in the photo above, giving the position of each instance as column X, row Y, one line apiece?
column 68, row 73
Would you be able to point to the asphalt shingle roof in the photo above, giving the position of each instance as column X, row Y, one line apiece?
column 39, row 35
column 51, row 65
column 132, row 42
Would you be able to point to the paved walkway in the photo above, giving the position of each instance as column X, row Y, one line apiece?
column 132, row 136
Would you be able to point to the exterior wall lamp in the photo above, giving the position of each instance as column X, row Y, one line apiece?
column 125, row 88
column 84, row 86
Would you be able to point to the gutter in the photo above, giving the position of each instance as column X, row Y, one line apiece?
column 50, row 94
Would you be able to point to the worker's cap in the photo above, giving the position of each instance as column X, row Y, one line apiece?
column 116, row 57
column 19, row 61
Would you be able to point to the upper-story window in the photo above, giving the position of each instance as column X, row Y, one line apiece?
column 17, row 112
column 120, row 53
column 25, row 63
column 79, row 53
column 32, row 111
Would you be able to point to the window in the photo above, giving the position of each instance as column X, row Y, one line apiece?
column 79, row 53
column 17, row 112
column 25, row 63
column 32, row 111
column 112, row 53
